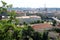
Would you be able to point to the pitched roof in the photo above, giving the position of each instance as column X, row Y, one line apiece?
column 41, row 26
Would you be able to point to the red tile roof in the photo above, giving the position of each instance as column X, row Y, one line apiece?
column 58, row 25
column 41, row 26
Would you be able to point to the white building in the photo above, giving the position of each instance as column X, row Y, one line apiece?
column 28, row 19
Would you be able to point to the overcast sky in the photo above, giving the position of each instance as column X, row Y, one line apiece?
column 34, row 3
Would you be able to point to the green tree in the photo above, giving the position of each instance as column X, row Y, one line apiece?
column 24, row 23
column 12, row 16
column 45, row 35
column 4, row 3
column 54, row 23
column 38, row 21
column 3, row 8
column 10, row 31
column 6, row 28
column 37, row 36
column 9, row 6
column 27, row 32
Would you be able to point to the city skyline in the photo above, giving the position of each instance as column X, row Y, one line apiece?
column 34, row 3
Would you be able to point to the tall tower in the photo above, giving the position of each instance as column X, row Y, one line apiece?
column 45, row 9
column 56, row 10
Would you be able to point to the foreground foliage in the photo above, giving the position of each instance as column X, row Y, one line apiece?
column 10, row 31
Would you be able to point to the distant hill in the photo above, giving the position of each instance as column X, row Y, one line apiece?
column 49, row 9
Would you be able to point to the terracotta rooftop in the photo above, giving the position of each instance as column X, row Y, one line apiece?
column 41, row 26
column 58, row 25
